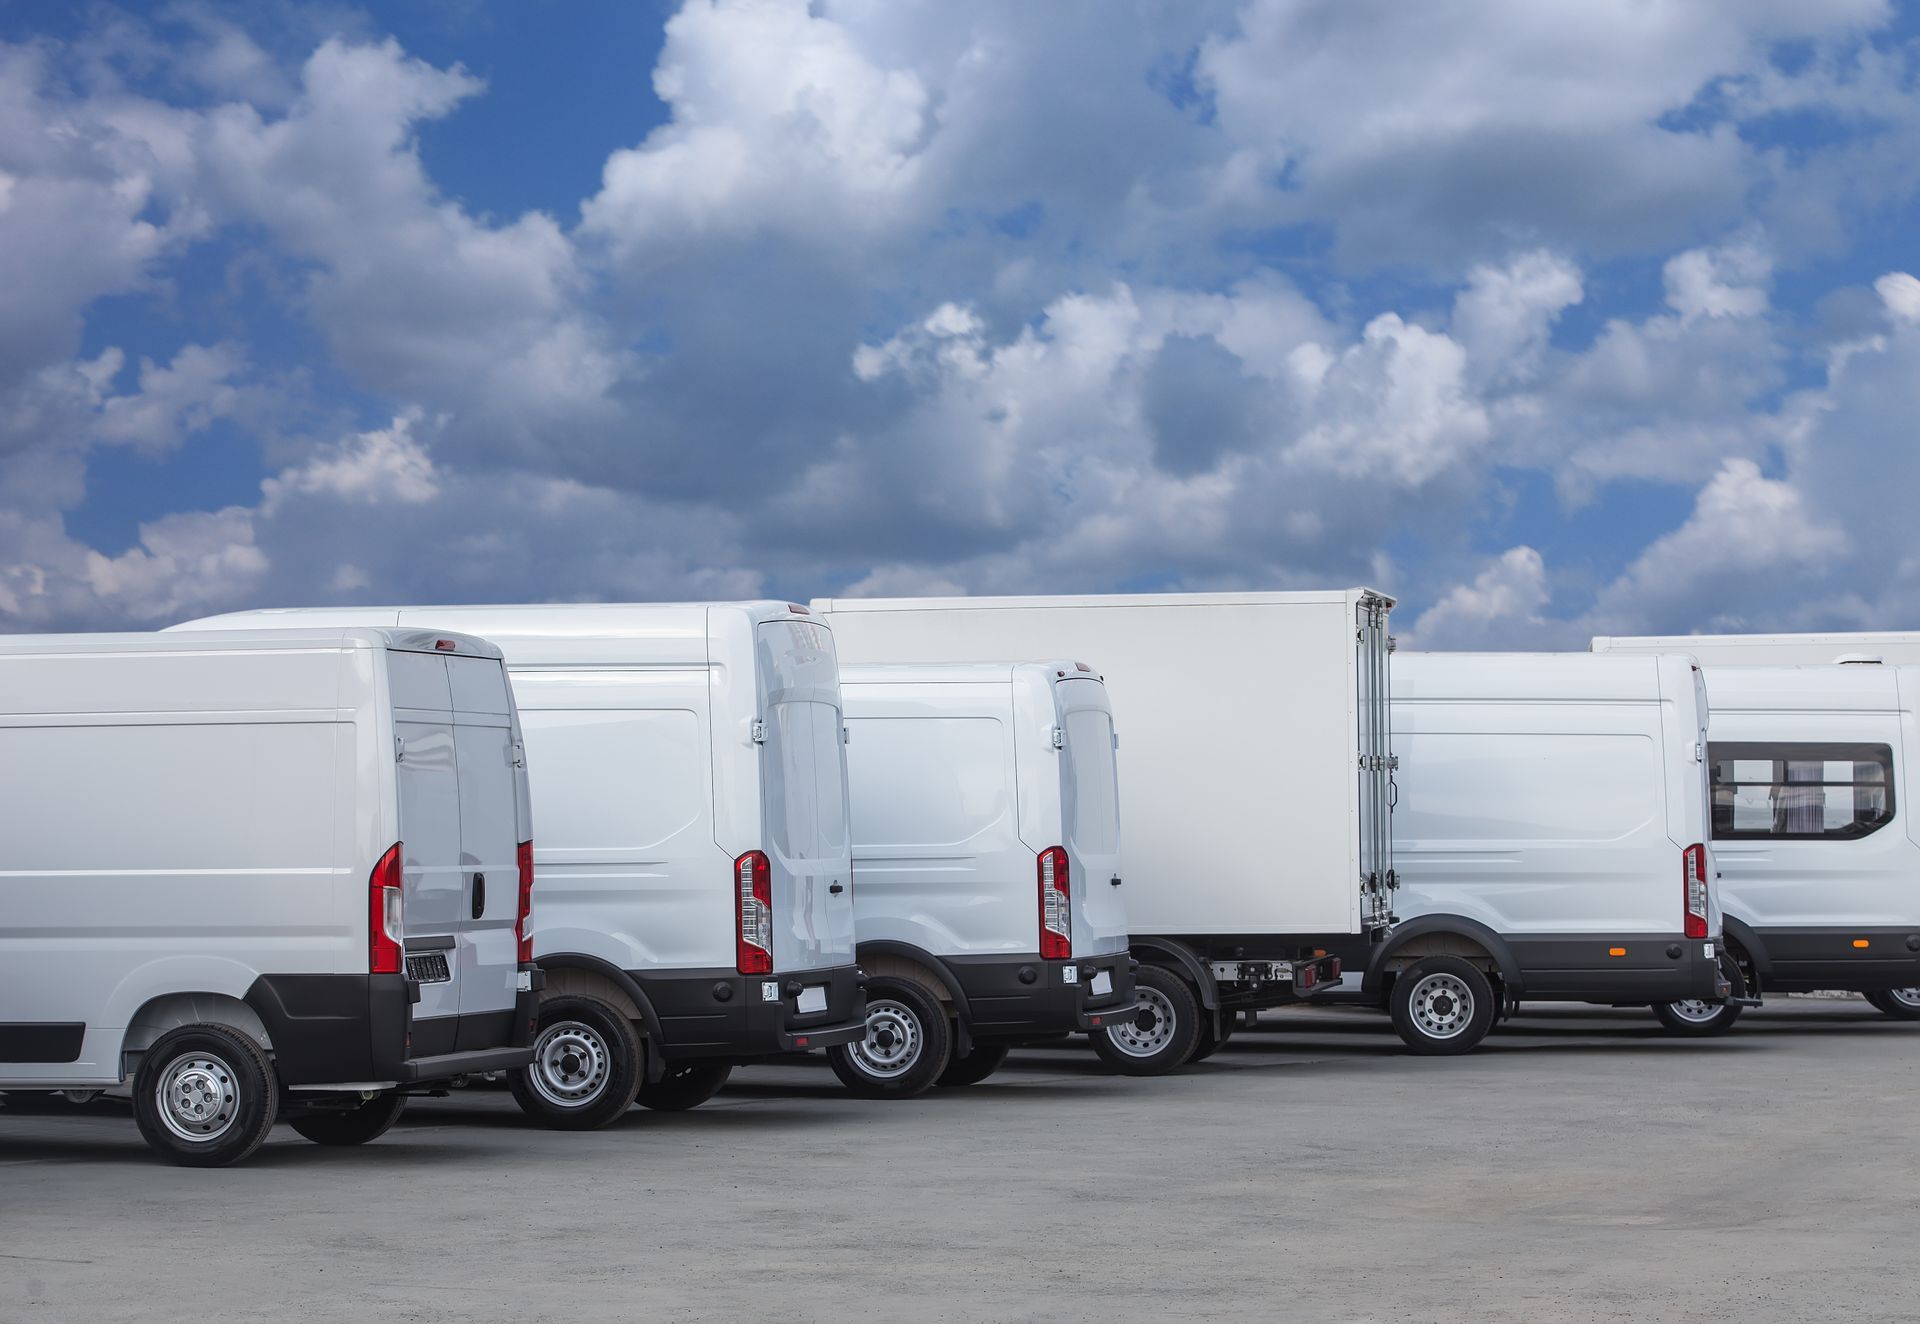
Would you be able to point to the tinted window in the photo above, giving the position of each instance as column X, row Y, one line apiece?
column 1095, row 810
column 1800, row 791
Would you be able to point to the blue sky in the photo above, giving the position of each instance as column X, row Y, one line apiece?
column 1553, row 319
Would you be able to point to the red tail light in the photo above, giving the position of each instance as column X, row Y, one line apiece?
column 523, row 921
column 1056, row 905
column 754, row 913
column 386, row 920
column 1693, row 876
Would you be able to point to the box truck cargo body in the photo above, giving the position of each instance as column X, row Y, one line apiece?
column 1551, row 833
column 693, row 884
column 1254, row 776
column 246, row 869
column 987, row 840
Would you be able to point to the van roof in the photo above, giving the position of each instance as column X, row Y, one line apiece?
column 555, row 633
column 253, row 640
column 958, row 673
column 1527, row 676
column 1038, row 602
column 1815, row 688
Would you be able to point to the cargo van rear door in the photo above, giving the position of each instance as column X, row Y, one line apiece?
column 434, row 885
column 804, row 795
column 487, row 756
column 1090, row 811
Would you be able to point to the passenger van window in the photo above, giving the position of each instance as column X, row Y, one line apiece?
column 1800, row 791
column 1096, row 795
column 927, row 781
column 635, row 792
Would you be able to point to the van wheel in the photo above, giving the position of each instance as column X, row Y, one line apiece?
column 1163, row 1036
column 1698, row 1019
column 1903, row 1004
column 684, row 1085
column 906, row 1047
column 205, row 1096
column 1211, row 1043
column 1442, row 1006
column 356, row 1125
column 983, row 1061
column 585, row 1069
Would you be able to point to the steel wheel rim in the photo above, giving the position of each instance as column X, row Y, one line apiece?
column 198, row 1097
column 1695, row 1010
column 1136, row 1042
column 1906, row 997
column 571, row 1064
column 1441, row 1005
column 893, row 1042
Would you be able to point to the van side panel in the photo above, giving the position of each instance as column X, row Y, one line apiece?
column 941, row 863
column 626, row 867
column 115, row 787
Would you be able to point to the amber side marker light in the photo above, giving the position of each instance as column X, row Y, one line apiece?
column 1616, row 951
column 1859, row 942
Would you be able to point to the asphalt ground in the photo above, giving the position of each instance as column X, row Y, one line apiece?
column 1582, row 1165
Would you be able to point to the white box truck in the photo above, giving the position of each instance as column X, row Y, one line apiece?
column 693, row 879
column 262, row 869
column 986, row 839
column 1551, row 840
column 1818, row 849
column 1254, row 778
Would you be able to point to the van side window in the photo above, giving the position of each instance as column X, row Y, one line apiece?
column 1802, row 791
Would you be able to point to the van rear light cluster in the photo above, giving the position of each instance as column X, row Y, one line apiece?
column 1056, row 905
column 386, row 915
column 523, row 917
column 1693, row 874
column 754, row 913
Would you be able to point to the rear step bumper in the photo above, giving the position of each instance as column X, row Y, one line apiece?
column 1016, row 996
column 721, row 1013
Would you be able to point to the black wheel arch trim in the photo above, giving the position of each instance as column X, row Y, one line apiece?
column 962, row 1009
column 1183, row 959
column 1744, row 936
column 1428, row 925
column 654, row 1065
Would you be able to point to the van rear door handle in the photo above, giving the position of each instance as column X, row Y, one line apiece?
column 1115, row 880
column 479, row 895
column 836, row 889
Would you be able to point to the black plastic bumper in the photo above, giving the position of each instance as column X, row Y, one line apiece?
column 1632, row 969
column 1014, row 996
column 721, row 1013
column 359, row 1029
column 1865, row 960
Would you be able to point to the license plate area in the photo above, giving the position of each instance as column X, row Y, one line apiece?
column 428, row 968
column 1102, row 983
column 813, row 998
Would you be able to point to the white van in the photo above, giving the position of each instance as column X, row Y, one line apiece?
column 1255, row 780
column 1819, row 852
column 1550, row 837
column 986, row 835
column 253, row 869
column 693, row 879
column 1891, row 647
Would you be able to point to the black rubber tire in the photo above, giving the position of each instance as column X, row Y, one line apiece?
column 1179, row 1043
column 889, row 997
column 1884, row 1002
column 1724, row 1015
column 349, row 1126
column 683, row 1085
column 1211, row 1043
column 1480, row 1012
column 256, row 1095
column 624, row 1070
column 983, row 1061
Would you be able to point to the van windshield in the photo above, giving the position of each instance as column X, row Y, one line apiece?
column 1094, row 811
